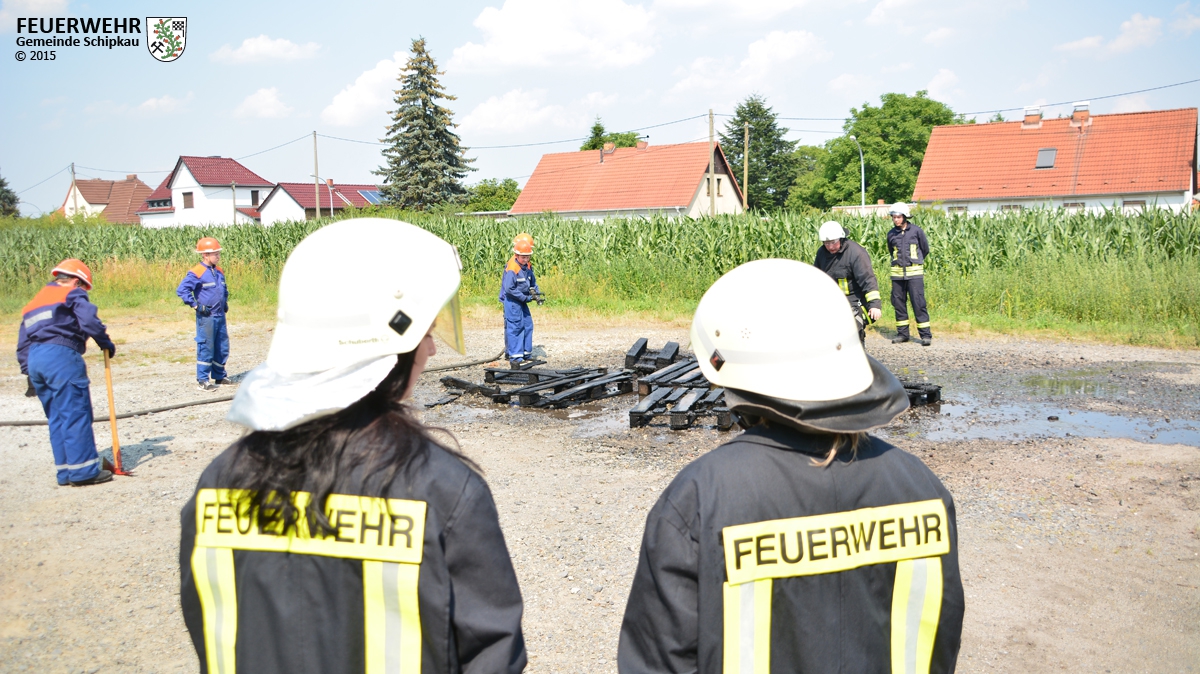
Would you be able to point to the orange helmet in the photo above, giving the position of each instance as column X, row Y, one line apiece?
column 208, row 245
column 523, row 244
column 76, row 268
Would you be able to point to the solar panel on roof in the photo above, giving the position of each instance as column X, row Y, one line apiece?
column 1046, row 156
column 371, row 196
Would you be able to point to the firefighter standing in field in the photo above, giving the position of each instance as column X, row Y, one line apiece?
column 517, row 289
column 849, row 264
column 203, row 289
column 909, row 248
column 805, row 544
column 52, row 339
column 340, row 536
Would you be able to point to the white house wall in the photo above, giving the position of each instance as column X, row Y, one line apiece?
column 74, row 196
column 211, row 204
column 157, row 220
column 728, row 202
column 281, row 208
column 1174, row 201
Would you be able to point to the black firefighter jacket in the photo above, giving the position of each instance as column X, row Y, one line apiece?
column 851, row 268
column 418, row 584
column 756, row 561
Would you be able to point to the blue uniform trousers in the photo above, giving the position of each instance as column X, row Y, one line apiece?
column 518, row 330
column 212, row 347
column 60, row 378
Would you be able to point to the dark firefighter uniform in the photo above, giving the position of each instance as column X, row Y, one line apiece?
column 52, row 339
column 909, row 248
column 756, row 561
column 420, row 582
column 851, row 268
column 203, row 289
column 517, row 289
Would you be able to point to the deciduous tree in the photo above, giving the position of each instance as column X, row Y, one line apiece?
column 599, row 137
column 773, row 165
column 424, row 163
column 491, row 194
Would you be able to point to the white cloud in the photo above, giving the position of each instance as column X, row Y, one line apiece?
column 745, row 9
column 1134, row 103
column 593, row 34
column 883, row 12
column 848, row 82
column 369, row 95
column 520, row 110
column 264, row 104
column 263, row 48
column 164, row 104
column 11, row 9
column 793, row 48
column 938, row 36
column 1138, row 31
column 940, row 87
column 1187, row 23
column 897, row 68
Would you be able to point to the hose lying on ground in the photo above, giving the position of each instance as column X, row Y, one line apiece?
column 218, row 399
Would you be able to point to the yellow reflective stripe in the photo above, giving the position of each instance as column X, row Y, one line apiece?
column 844, row 285
column 387, row 530
column 872, row 296
column 212, row 569
column 392, row 618
column 897, row 272
column 803, row 546
column 915, row 270
column 912, row 251
column 747, row 647
column 916, row 608
column 923, row 325
column 901, row 324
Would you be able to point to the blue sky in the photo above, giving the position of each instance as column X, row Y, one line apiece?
column 257, row 75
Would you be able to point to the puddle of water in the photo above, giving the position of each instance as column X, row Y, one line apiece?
column 1013, row 422
column 1073, row 384
column 609, row 423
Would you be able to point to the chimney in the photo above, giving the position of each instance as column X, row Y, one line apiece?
column 1033, row 117
column 1080, row 114
column 609, row 148
column 881, row 202
column 641, row 144
column 131, row 176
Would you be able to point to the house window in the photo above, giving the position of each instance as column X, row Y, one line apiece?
column 1133, row 206
column 187, row 200
column 1045, row 158
column 254, row 198
column 956, row 209
column 1074, row 206
column 708, row 185
column 1015, row 208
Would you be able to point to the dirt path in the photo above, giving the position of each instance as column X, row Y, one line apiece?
column 1079, row 554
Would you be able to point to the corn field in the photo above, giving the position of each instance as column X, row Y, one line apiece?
column 1014, row 265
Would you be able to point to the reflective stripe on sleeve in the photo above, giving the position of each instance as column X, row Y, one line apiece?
column 748, row 627
column 916, row 607
column 872, row 296
column 392, row 619
column 212, row 569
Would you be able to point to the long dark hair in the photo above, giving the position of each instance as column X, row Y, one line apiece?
column 377, row 433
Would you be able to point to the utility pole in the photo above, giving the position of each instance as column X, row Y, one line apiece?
column 329, row 184
column 233, row 188
column 862, row 168
column 316, row 180
column 746, row 170
column 712, row 168
column 74, row 192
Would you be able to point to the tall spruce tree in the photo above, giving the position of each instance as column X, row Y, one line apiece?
column 599, row 137
column 773, row 164
column 8, row 199
column 425, row 164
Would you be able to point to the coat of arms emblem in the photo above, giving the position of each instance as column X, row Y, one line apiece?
column 166, row 37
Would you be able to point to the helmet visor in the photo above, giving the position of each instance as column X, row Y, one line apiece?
column 448, row 326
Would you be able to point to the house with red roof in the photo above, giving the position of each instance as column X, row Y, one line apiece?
column 117, row 200
column 1084, row 162
column 669, row 180
column 205, row 191
column 299, row 201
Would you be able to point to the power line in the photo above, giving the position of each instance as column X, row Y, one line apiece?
column 1093, row 98
column 272, row 148
column 65, row 168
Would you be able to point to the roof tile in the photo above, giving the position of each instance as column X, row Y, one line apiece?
column 212, row 171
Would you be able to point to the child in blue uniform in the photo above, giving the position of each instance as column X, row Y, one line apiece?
column 517, row 289
column 203, row 289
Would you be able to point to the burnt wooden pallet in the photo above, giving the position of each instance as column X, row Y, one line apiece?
column 682, row 405
column 664, row 374
column 592, row 389
column 922, row 393
column 531, row 393
column 641, row 358
column 499, row 375
column 469, row 386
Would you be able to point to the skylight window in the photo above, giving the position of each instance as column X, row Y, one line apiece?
column 1046, row 157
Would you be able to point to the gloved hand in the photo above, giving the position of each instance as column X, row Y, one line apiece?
column 30, row 392
column 111, row 349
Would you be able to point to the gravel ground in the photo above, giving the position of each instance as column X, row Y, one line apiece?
column 1079, row 553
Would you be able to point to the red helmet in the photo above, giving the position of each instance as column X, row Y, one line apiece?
column 208, row 245
column 76, row 268
column 523, row 244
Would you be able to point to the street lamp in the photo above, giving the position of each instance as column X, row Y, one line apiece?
column 862, row 168
column 328, row 184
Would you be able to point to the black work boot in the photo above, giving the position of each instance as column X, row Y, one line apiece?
column 900, row 339
column 926, row 341
column 102, row 476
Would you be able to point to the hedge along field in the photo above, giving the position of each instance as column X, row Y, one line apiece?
column 1129, row 278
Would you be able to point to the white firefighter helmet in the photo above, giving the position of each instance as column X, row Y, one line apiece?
column 783, row 329
column 900, row 208
column 352, row 296
column 831, row 230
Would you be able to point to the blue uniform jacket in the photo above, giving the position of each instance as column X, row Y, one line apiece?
column 204, row 286
column 519, row 283
column 909, row 248
column 60, row 315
